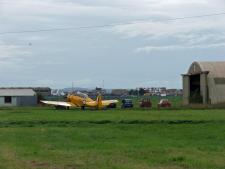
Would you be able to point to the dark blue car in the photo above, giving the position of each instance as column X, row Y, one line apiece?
column 127, row 103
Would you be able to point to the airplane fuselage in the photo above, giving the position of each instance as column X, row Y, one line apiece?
column 80, row 102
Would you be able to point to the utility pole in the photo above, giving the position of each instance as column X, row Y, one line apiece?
column 72, row 87
column 138, row 92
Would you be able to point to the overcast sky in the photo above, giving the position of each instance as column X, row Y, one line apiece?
column 154, row 52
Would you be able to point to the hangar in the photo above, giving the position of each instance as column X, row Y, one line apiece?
column 204, row 83
column 17, row 97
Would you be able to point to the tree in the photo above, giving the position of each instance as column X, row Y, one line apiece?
column 141, row 91
column 133, row 92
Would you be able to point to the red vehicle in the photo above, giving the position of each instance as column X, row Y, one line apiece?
column 146, row 103
column 164, row 103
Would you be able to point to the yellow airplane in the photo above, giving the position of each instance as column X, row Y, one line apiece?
column 82, row 100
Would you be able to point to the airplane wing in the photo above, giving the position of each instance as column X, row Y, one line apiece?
column 58, row 103
column 108, row 102
column 104, row 103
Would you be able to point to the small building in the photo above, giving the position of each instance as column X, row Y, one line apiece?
column 119, row 92
column 174, row 92
column 17, row 97
column 43, row 91
column 204, row 83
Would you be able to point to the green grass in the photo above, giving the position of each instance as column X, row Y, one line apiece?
column 44, row 138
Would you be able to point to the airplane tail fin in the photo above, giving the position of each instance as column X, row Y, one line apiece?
column 99, row 101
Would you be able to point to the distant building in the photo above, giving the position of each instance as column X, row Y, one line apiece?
column 43, row 91
column 58, row 92
column 17, row 97
column 157, row 91
column 174, row 92
column 95, row 92
column 162, row 90
column 204, row 83
column 120, row 92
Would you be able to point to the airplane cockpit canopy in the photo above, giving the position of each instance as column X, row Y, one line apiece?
column 82, row 95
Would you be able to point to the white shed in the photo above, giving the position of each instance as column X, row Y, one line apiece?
column 17, row 97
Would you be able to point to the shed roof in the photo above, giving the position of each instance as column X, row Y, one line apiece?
column 216, row 69
column 17, row 92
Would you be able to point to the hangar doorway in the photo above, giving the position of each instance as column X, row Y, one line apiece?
column 195, row 89
column 203, row 84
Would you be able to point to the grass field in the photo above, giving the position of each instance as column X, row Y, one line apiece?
column 44, row 138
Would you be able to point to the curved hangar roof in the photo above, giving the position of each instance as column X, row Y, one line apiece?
column 215, row 69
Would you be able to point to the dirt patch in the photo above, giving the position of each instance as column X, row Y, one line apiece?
column 100, row 122
column 36, row 164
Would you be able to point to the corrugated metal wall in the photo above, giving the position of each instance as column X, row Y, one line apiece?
column 216, row 91
column 26, row 101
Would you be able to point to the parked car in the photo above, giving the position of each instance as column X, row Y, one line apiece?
column 146, row 102
column 127, row 103
column 164, row 103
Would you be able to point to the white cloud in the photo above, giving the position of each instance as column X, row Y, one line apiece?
column 55, row 54
column 187, row 31
column 52, row 8
column 166, row 28
column 33, row 38
column 178, row 47
column 11, row 53
column 184, row 34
